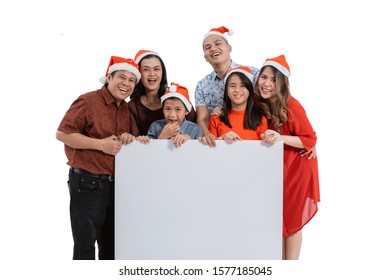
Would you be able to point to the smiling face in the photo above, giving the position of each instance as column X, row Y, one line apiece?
column 151, row 73
column 174, row 110
column 237, row 92
column 266, row 84
column 216, row 49
column 121, row 84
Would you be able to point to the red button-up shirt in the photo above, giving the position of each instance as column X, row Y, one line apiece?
column 95, row 114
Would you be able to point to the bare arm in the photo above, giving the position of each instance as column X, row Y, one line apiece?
column 293, row 141
column 271, row 136
column 203, row 118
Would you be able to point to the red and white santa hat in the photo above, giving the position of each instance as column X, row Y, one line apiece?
column 178, row 91
column 220, row 31
column 118, row 63
column 142, row 53
column 279, row 63
column 242, row 69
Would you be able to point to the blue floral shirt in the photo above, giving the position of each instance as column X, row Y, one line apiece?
column 209, row 90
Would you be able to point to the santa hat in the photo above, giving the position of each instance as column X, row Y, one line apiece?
column 118, row 63
column 242, row 69
column 279, row 63
column 178, row 91
column 142, row 53
column 220, row 32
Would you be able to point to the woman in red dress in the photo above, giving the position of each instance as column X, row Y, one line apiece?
column 289, row 123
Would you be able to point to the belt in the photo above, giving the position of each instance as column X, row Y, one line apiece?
column 97, row 176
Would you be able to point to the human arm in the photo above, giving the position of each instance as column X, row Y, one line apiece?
column 217, row 112
column 271, row 136
column 202, row 119
column 300, row 132
column 110, row 145
column 299, row 125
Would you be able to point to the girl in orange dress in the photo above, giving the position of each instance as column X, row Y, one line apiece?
column 289, row 123
column 241, row 119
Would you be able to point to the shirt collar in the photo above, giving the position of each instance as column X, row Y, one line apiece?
column 107, row 95
column 183, row 126
column 232, row 65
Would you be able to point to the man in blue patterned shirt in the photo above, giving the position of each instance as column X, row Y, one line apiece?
column 209, row 91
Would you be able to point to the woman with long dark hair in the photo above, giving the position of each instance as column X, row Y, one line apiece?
column 241, row 119
column 145, row 102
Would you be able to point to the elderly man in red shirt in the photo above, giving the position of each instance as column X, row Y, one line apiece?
column 93, row 130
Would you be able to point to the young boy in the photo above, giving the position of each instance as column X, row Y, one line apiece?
column 176, row 105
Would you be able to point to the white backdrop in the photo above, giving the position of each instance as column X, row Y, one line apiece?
column 338, row 51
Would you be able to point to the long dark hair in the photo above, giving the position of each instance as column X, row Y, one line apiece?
column 139, row 89
column 276, row 113
column 253, row 114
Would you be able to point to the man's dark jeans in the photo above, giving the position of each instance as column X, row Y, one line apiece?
column 91, row 215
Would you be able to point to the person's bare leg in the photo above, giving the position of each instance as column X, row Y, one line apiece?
column 284, row 249
column 292, row 246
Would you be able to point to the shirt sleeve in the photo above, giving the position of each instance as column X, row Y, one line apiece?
column 199, row 95
column 299, row 125
column 198, row 132
column 75, row 118
column 154, row 130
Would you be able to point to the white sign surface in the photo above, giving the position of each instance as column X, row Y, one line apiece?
column 197, row 202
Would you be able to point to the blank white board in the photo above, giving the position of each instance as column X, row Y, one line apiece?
column 196, row 202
